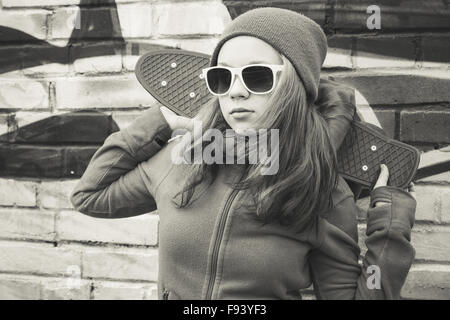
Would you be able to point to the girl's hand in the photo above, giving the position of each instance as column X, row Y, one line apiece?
column 382, row 181
column 177, row 122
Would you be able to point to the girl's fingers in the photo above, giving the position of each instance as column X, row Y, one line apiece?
column 382, row 181
column 169, row 115
column 383, row 177
column 175, row 121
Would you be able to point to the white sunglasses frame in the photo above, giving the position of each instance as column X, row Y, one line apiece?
column 238, row 71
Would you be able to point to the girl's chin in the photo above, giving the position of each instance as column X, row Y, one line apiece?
column 241, row 123
column 241, row 128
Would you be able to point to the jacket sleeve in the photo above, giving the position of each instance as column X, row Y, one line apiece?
column 112, row 185
column 334, row 265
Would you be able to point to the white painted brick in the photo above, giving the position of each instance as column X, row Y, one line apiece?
column 186, row 18
column 123, row 119
column 123, row 264
column 64, row 289
column 427, row 281
column 151, row 292
column 45, row 3
column 31, row 22
column 90, row 57
column 433, row 203
column 370, row 60
column 27, row 224
column 12, row 74
column 129, row 62
column 433, row 64
column 63, row 21
column 24, row 94
column 15, row 287
column 102, row 92
column 109, row 290
column 139, row 230
column 38, row 258
column 337, row 57
column 204, row 45
column 55, row 194
column 111, row 63
column 431, row 243
column 17, row 192
column 136, row 20
column 435, row 156
column 22, row 287
column 32, row 3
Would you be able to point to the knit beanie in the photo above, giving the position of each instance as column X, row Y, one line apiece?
column 297, row 37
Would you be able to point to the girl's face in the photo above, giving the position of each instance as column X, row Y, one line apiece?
column 238, row 52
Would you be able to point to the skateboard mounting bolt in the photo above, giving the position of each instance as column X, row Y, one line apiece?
column 164, row 83
column 173, row 65
column 373, row 148
column 200, row 76
column 364, row 168
column 192, row 94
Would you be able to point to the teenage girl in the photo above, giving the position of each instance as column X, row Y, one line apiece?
column 227, row 231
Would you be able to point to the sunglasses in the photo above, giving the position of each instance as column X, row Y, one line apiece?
column 256, row 78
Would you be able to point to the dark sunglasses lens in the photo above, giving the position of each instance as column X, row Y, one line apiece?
column 219, row 80
column 258, row 78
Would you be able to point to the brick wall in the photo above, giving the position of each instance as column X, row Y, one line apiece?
column 48, row 67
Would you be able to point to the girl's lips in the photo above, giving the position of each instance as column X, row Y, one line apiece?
column 240, row 114
column 238, row 110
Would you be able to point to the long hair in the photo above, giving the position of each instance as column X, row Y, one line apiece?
column 301, row 189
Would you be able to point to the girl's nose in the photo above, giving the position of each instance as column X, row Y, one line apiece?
column 238, row 90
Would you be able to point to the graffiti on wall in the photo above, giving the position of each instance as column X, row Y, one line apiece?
column 34, row 150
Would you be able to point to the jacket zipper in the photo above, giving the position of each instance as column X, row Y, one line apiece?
column 215, row 253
